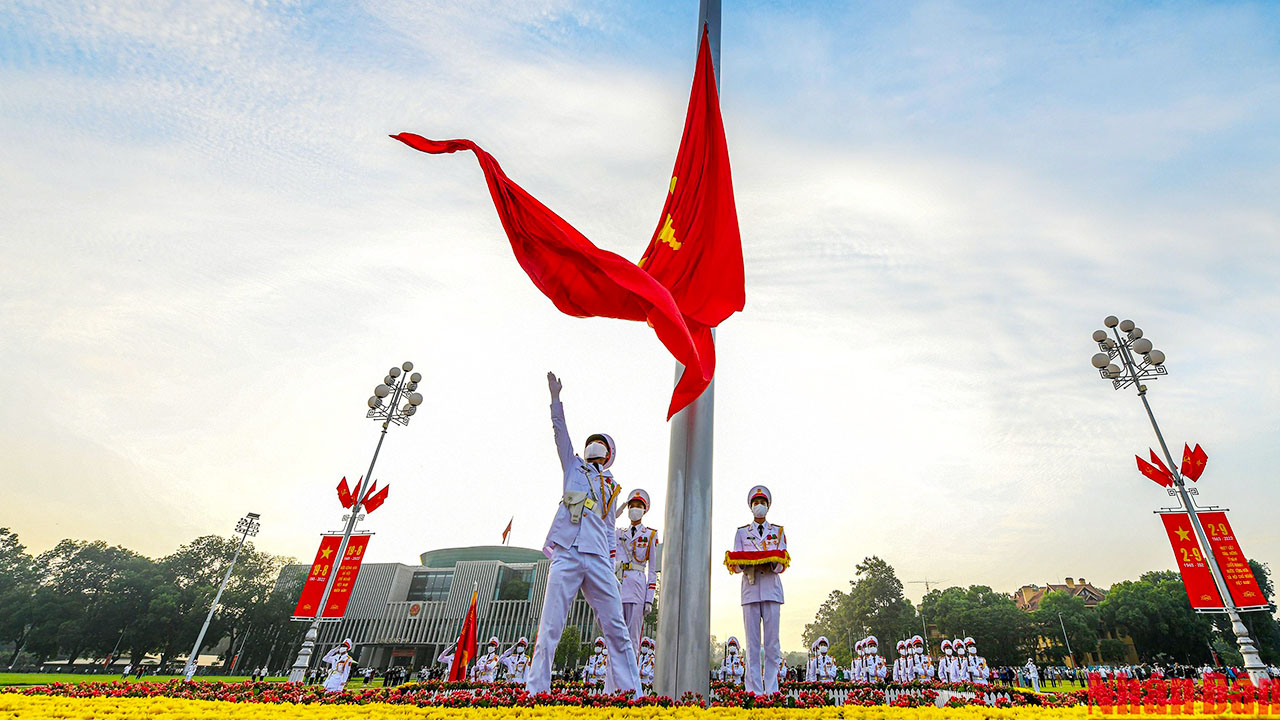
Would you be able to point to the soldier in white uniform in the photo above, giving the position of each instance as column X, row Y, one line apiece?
column 979, row 673
column 946, row 663
column 960, row 668
column 597, row 665
column 900, row 664
column 637, row 569
column 761, row 592
column 876, row 670
column 340, row 663
column 515, row 661
column 782, row 672
column 732, row 668
column 809, row 671
column 923, row 668
column 487, row 664
column 860, row 672
column 582, row 545
column 646, row 666
column 824, row 668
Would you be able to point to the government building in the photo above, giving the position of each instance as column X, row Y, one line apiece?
column 407, row 614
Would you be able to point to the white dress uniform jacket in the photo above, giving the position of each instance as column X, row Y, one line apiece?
column 487, row 667
column 732, row 669
column 646, row 669
column 760, row 583
column 876, row 670
column 593, row 534
column 597, row 669
column 637, row 548
column 824, row 669
column 978, row 671
column 514, row 665
column 340, row 664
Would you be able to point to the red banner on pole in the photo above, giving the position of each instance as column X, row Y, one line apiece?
column 1196, row 576
column 346, row 579
column 322, row 567
column 313, row 588
column 1231, row 561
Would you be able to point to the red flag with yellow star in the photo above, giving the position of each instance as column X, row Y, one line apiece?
column 581, row 279
column 696, row 250
column 1193, row 462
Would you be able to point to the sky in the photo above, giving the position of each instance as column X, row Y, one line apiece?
column 211, row 252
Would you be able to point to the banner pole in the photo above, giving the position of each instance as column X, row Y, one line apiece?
column 684, row 602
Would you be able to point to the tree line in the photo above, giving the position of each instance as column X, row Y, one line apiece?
column 1153, row 610
column 87, row 600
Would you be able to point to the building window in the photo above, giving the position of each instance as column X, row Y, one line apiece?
column 514, row 584
column 430, row 586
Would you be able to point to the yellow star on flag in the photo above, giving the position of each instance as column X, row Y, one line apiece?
column 326, row 552
column 1183, row 534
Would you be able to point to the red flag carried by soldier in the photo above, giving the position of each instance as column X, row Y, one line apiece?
column 467, row 642
column 696, row 250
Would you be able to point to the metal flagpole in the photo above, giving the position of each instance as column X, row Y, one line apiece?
column 684, row 620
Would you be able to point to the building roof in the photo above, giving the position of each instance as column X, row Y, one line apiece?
column 1028, row 597
column 449, row 557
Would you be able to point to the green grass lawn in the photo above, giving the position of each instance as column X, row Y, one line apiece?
column 1063, row 686
column 45, row 678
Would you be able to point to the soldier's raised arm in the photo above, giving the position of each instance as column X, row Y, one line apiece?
column 564, row 446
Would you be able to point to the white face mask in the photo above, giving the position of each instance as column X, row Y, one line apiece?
column 873, row 651
column 759, row 510
column 733, row 650
column 596, row 450
column 635, row 513
column 947, row 651
column 599, row 650
column 493, row 649
column 822, row 649
column 519, row 649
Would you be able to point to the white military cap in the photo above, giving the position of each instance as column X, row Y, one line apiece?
column 759, row 491
column 640, row 495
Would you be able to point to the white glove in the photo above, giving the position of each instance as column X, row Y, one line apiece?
column 648, row 608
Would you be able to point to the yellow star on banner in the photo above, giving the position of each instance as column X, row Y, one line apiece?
column 1183, row 534
column 326, row 552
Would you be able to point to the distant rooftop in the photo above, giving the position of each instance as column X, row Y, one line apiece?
column 448, row 557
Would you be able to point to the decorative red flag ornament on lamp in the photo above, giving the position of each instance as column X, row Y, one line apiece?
column 1151, row 471
column 467, row 642
column 696, row 249
column 1193, row 462
column 1196, row 576
column 344, row 494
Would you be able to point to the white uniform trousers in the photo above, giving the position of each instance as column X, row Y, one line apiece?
column 753, row 616
column 570, row 571
column 633, row 615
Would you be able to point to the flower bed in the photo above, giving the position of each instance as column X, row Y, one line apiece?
column 30, row 707
column 465, row 694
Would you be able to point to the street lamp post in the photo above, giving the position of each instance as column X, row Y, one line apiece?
column 247, row 525
column 399, row 385
column 1139, row 362
column 1067, row 639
